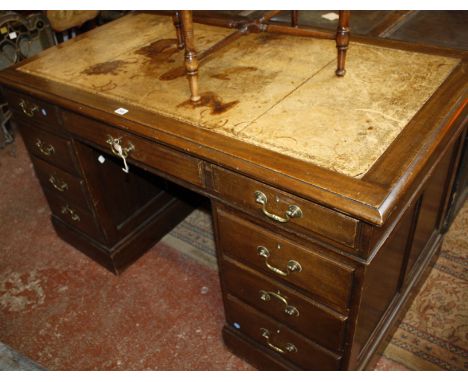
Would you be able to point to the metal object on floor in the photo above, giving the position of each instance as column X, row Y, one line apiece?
column 20, row 37
column 6, row 132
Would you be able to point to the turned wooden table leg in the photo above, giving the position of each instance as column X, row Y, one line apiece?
column 177, row 25
column 294, row 18
column 191, row 62
column 342, row 41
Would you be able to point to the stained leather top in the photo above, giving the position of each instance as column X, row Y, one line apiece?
column 274, row 91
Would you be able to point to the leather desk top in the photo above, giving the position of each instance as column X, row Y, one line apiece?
column 272, row 107
column 274, row 91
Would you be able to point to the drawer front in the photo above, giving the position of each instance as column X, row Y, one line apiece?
column 33, row 110
column 50, row 147
column 284, row 209
column 278, row 338
column 151, row 154
column 61, row 183
column 75, row 216
column 316, row 322
column 278, row 257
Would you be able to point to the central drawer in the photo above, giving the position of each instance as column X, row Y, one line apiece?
column 325, row 279
column 161, row 158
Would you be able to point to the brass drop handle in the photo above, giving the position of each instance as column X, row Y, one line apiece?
column 116, row 147
column 292, row 266
column 58, row 184
column 118, row 150
column 293, row 211
column 289, row 347
column 289, row 309
column 32, row 109
column 47, row 151
column 67, row 210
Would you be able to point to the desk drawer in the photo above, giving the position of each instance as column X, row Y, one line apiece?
column 75, row 216
column 151, row 154
column 315, row 321
column 61, row 183
column 323, row 278
column 278, row 338
column 33, row 110
column 264, row 200
column 50, row 147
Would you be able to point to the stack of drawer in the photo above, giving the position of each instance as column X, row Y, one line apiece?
column 113, row 216
column 54, row 160
column 292, row 300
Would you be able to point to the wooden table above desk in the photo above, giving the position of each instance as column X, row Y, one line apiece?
column 367, row 159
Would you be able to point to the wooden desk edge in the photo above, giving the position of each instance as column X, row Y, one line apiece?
column 368, row 198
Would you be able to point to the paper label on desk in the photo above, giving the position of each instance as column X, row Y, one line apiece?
column 332, row 16
column 121, row 111
column 12, row 35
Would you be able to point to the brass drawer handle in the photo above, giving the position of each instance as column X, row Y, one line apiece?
column 289, row 347
column 293, row 211
column 47, row 151
column 67, row 210
column 292, row 266
column 118, row 150
column 58, row 184
column 32, row 109
column 289, row 309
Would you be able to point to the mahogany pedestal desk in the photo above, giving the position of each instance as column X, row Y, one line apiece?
column 328, row 194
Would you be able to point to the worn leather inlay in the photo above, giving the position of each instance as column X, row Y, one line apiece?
column 274, row 91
